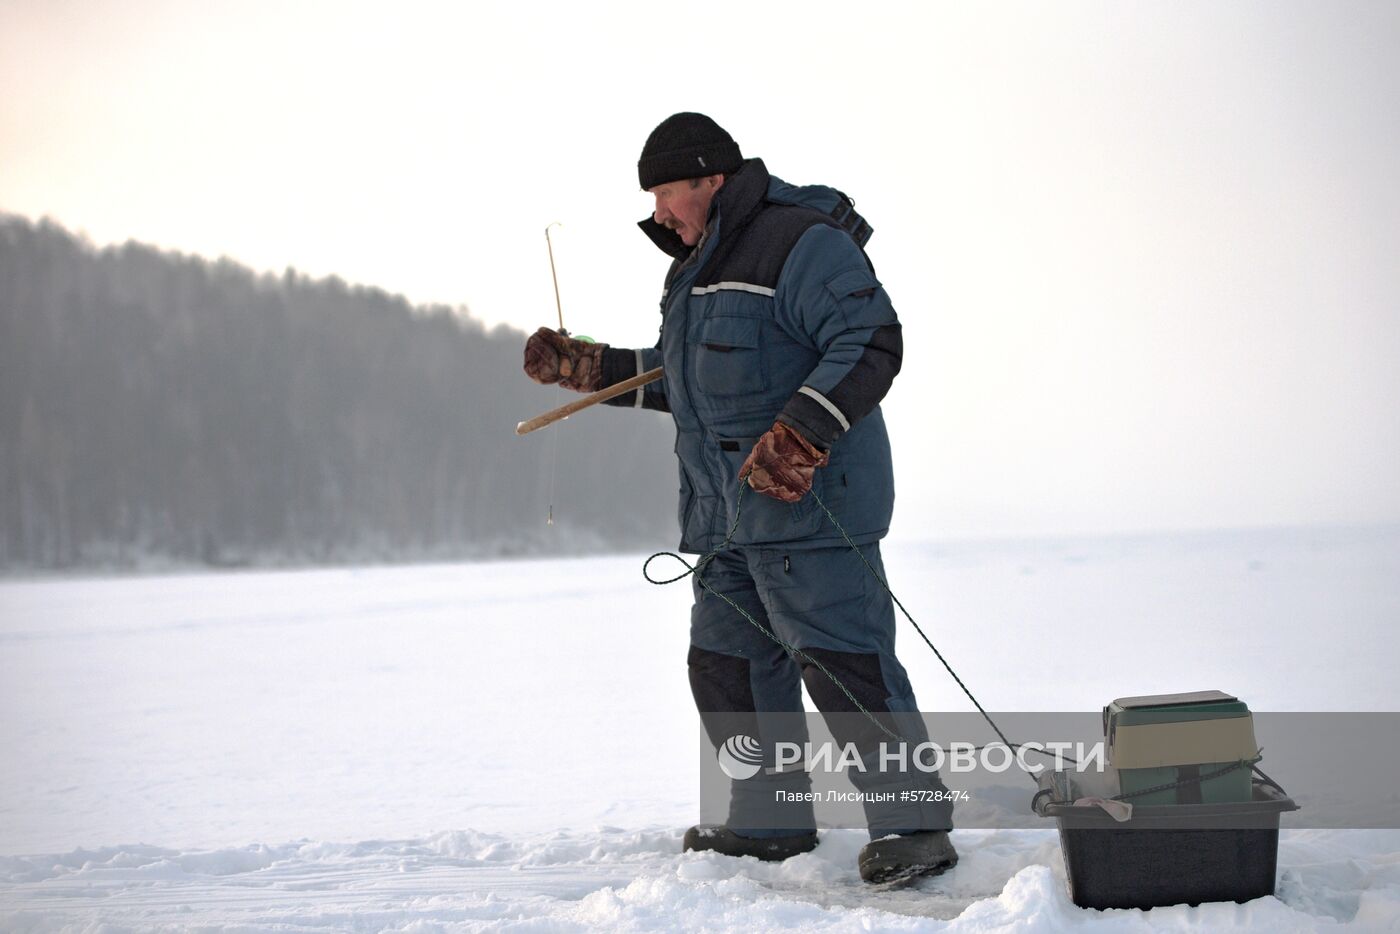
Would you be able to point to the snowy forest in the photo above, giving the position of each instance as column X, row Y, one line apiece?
column 162, row 408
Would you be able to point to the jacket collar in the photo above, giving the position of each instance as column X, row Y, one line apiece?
column 740, row 195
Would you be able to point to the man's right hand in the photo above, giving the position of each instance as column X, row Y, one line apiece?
column 550, row 357
column 782, row 464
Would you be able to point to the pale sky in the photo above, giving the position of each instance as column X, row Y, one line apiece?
column 1146, row 256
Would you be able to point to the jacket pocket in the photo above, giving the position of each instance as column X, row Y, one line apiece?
column 729, row 357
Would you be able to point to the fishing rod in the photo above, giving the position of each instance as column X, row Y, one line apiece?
column 558, row 305
column 592, row 399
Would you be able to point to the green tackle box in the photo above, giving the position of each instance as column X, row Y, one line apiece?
column 1167, row 738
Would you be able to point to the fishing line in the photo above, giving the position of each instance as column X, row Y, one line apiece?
column 554, row 438
column 553, row 470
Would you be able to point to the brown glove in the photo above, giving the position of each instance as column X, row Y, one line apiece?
column 550, row 357
column 782, row 463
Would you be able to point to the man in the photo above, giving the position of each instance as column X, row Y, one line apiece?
column 778, row 343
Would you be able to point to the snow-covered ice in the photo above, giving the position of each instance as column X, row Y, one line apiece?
column 511, row 745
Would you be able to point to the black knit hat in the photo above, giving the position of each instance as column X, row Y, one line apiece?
column 687, row 145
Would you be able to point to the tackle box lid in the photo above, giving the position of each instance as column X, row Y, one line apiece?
column 1192, row 698
column 1165, row 708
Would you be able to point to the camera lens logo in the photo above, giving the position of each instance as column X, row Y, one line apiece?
column 740, row 757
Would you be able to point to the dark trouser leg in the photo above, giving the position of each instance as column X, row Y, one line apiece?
column 736, row 673
column 825, row 602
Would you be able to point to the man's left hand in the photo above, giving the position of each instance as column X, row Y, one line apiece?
column 782, row 463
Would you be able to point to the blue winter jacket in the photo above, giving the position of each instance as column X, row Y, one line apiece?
column 775, row 314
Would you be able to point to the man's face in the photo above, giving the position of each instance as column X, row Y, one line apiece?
column 684, row 205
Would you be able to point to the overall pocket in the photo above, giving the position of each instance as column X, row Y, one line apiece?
column 729, row 358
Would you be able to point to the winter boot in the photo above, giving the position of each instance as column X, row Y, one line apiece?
column 721, row 839
column 896, row 858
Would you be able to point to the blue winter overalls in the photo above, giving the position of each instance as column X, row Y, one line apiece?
column 776, row 314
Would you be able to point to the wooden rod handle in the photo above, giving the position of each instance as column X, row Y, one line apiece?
column 593, row 398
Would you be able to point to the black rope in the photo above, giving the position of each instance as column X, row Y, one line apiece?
column 1193, row 780
column 700, row 565
column 1266, row 780
column 792, row 650
column 917, row 628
